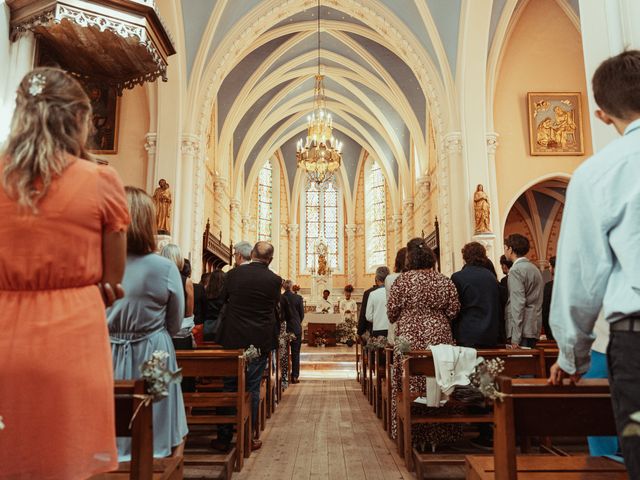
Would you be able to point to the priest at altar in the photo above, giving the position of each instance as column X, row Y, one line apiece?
column 324, row 305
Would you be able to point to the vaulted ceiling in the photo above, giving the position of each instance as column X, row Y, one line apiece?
column 377, row 102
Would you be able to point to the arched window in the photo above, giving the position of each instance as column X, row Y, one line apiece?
column 322, row 220
column 265, row 202
column 376, row 224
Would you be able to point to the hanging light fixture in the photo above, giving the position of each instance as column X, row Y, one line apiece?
column 319, row 155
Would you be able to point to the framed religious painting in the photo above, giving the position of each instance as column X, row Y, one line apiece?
column 105, row 102
column 555, row 123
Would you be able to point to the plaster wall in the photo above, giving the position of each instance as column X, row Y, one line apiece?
column 544, row 54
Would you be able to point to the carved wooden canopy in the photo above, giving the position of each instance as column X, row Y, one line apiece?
column 121, row 42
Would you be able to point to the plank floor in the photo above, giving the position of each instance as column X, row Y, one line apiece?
column 324, row 429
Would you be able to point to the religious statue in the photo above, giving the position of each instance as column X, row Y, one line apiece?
column 162, row 201
column 322, row 264
column 482, row 211
column 564, row 127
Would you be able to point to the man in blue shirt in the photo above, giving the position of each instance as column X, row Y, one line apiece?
column 598, row 262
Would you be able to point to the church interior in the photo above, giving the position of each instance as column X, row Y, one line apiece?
column 338, row 131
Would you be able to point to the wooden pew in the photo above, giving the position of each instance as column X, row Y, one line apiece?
column 364, row 368
column 420, row 363
column 129, row 396
column 379, row 376
column 358, row 364
column 385, row 389
column 219, row 363
column 371, row 372
column 534, row 408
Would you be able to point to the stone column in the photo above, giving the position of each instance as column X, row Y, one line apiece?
column 423, row 186
column 234, row 206
column 407, row 221
column 17, row 59
column 350, row 229
column 292, row 229
column 496, row 221
column 184, row 223
column 219, row 187
column 150, row 146
column 397, row 233
column 246, row 227
column 455, row 228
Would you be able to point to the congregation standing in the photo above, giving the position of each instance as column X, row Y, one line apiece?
column 102, row 253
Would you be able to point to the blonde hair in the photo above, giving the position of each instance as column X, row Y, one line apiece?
column 173, row 253
column 51, row 120
column 141, row 235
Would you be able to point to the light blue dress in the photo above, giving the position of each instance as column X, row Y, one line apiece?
column 141, row 323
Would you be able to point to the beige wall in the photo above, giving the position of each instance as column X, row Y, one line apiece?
column 131, row 159
column 544, row 54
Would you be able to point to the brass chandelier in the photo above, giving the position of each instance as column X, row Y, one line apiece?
column 319, row 154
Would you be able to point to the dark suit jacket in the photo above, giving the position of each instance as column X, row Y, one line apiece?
column 477, row 325
column 546, row 308
column 296, row 309
column 363, row 324
column 251, row 293
column 199, row 303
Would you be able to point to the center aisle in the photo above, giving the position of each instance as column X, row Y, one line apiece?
column 325, row 429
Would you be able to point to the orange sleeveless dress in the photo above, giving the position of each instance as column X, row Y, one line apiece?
column 56, row 381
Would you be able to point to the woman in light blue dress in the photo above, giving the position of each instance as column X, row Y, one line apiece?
column 144, row 321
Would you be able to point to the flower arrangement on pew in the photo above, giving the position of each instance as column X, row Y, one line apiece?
column 483, row 378
column 375, row 342
column 250, row 354
column 401, row 346
column 158, row 376
column 286, row 337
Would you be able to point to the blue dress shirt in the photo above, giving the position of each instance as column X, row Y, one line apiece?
column 598, row 264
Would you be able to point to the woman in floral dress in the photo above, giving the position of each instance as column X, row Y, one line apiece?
column 422, row 303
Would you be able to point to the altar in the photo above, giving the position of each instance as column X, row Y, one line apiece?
column 321, row 325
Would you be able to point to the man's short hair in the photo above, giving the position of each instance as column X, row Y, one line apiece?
column 518, row 243
column 262, row 251
column 552, row 261
column 616, row 85
column 381, row 273
column 505, row 261
column 243, row 249
column 326, row 291
column 287, row 284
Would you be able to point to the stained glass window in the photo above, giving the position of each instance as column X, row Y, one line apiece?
column 322, row 210
column 265, row 202
column 376, row 227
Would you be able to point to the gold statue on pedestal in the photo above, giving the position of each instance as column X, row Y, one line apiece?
column 162, row 202
column 482, row 210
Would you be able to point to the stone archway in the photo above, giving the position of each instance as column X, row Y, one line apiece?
column 537, row 214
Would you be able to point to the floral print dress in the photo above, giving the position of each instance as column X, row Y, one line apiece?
column 422, row 304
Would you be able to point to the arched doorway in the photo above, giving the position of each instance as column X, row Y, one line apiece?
column 537, row 214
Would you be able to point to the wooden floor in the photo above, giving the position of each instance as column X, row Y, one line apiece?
column 325, row 429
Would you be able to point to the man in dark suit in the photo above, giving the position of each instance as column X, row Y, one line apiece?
column 546, row 300
column 294, row 325
column 477, row 325
column 251, row 293
column 363, row 324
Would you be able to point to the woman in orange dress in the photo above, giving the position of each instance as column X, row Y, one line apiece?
column 63, row 223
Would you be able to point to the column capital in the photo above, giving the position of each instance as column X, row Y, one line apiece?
column 453, row 142
column 150, row 142
column 219, row 183
column 407, row 203
column 234, row 204
column 190, row 145
column 293, row 229
column 351, row 228
column 492, row 142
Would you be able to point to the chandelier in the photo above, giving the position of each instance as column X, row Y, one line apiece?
column 319, row 154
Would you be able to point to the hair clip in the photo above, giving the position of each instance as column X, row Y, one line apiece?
column 36, row 84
